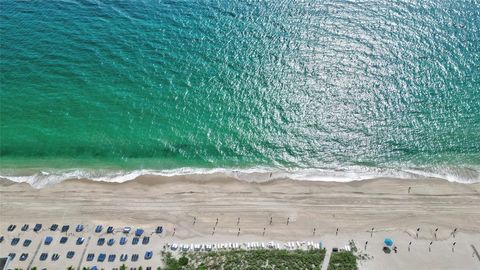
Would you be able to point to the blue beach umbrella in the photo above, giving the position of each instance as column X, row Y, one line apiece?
column 388, row 242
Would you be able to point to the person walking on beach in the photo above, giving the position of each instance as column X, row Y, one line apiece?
column 409, row 189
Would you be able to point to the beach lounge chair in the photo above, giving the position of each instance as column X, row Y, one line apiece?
column 148, row 255
column 79, row 228
column 134, row 257
column 100, row 241
column 110, row 229
column 145, row 240
column 80, row 240
column 24, row 227
column 90, row 257
column 23, row 257
column 127, row 230
column 111, row 242
column 70, row 254
column 138, row 232
column 43, row 256
column 111, row 257
column 123, row 240
column 135, row 240
column 159, row 229
column 54, row 227
column 55, row 257
column 65, row 228
column 37, row 227
column 48, row 240
column 11, row 255
column 63, row 240
column 123, row 257
column 101, row 257
column 98, row 229
column 27, row 242
column 11, row 228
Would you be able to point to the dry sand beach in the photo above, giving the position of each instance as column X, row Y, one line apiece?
column 353, row 207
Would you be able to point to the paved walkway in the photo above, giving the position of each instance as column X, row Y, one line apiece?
column 83, row 253
column 326, row 261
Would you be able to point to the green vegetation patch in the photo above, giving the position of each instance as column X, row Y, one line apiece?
column 252, row 259
column 343, row 261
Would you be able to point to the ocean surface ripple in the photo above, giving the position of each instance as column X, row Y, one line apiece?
column 99, row 89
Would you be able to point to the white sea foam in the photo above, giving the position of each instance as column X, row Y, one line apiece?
column 258, row 174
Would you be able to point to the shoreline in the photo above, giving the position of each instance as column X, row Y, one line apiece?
column 40, row 178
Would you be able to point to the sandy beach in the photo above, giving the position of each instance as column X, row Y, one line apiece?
column 354, row 208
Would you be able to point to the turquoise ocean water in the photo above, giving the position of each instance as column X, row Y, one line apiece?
column 321, row 89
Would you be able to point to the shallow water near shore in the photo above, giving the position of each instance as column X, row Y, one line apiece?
column 333, row 91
